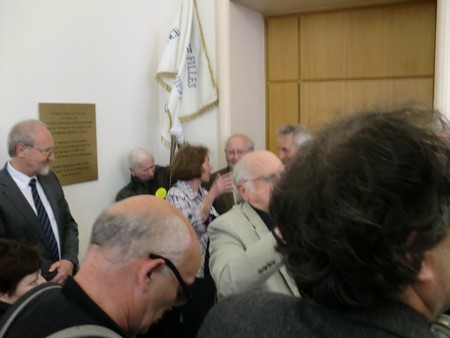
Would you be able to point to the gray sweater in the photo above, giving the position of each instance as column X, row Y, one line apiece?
column 267, row 315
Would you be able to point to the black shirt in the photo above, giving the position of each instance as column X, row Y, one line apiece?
column 3, row 308
column 265, row 217
column 161, row 179
column 60, row 308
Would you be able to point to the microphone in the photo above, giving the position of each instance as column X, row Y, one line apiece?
column 161, row 193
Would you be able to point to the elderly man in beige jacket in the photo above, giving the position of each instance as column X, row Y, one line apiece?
column 242, row 241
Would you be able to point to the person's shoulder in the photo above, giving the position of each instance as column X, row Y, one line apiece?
column 178, row 190
column 248, row 314
column 124, row 192
column 49, row 178
column 5, row 176
column 229, row 217
column 30, row 309
column 3, row 170
column 253, row 299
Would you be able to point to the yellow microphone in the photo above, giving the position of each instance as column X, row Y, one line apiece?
column 161, row 193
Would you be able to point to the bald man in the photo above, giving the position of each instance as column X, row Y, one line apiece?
column 142, row 256
column 242, row 241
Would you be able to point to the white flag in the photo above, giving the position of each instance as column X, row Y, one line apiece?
column 184, row 71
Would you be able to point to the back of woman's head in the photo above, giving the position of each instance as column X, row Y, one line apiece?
column 17, row 260
column 187, row 163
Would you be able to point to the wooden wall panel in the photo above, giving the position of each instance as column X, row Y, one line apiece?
column 282, row 48
column 333, row 63
column 369, row 42
column 324, row 101
column 283, row 106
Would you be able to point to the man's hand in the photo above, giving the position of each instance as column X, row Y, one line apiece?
column 221, row 185
column 63, row 268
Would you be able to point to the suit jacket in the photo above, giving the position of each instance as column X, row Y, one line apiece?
column 243, row 256
column 19, row 221
column 224, row 202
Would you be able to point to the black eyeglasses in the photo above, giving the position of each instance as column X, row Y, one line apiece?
column 184, row 296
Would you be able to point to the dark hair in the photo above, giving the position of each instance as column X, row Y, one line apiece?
column 187, row 163
column 17, row 260
column 369, row 195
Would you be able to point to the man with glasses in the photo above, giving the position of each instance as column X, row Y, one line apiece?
column 141, row 258
column 236, row 146
column 33, row 208
column 242, row 241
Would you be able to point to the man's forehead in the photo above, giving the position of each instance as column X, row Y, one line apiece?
column 264, row 164
column 236, row 142
column 148, row 160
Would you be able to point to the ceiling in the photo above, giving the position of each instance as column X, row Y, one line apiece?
column 278, row 7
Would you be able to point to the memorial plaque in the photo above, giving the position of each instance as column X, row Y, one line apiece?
column 74, row 132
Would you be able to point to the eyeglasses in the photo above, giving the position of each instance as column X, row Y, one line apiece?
column 236, row 152
column 47, row 152
column 184, row 296
column 269, row 178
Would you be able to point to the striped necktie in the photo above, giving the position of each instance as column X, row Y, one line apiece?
column 45, row 221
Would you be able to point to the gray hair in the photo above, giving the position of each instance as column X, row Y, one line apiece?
column 136, row 156
column 299, row 134
column 249, row 144
column 243, row 172
column 23, row 132
column 139, row 234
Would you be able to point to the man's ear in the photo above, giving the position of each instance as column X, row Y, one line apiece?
column 426, row 273
column 240, row 187
column 20, row 149
column 146, row 271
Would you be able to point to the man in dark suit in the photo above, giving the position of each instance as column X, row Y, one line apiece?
column 237, row 145
column 30, row 146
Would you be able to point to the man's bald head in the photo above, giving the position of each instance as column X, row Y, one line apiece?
column 142, row 224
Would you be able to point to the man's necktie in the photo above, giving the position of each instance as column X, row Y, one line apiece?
column 45, row 222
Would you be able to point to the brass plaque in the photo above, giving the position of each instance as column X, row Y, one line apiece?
column 74, row 133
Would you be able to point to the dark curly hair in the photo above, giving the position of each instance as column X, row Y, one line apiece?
column 362, row 203
column 187, row 163
column 17, row 260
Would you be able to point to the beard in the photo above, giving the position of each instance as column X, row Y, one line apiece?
column 44, row 170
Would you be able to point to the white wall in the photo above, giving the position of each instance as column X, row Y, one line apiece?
column 247, row 73
column 240, row 55
column 104, row 52
column 442, row 62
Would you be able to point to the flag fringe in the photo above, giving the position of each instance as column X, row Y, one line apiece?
column 191, row 117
